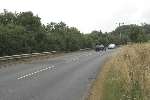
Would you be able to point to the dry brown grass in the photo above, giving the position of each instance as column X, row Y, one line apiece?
column 126, row 76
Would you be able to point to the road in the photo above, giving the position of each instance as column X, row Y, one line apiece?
column 65, row 77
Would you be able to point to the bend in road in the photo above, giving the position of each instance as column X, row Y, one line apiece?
column 60, row 78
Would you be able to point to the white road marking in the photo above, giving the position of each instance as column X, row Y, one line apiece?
column 35, row 72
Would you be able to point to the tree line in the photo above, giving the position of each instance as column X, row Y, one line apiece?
column 23, row 32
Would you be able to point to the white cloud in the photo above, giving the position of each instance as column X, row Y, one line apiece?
column 86, row 15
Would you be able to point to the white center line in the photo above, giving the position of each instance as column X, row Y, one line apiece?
column 37, row 71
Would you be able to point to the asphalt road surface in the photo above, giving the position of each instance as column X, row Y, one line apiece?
column 61, row 78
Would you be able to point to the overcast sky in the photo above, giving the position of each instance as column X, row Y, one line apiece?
column 86, row 15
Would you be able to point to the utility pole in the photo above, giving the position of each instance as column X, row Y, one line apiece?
column 119, row 26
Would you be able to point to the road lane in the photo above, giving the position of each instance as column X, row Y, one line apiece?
column 60, row 78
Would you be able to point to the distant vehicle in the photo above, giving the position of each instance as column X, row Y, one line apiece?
column 100, row 48
column 111, row 46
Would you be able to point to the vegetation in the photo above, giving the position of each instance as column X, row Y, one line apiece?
column 24, row 33
column 133, row 33
column 125, row 76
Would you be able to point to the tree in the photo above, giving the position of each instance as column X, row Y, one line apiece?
column 24, row 33
column 137, row 34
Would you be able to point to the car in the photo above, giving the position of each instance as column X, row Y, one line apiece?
column 100, row 48
column 111, row 46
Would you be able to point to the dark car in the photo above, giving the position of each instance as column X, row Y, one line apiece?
column 100, row 48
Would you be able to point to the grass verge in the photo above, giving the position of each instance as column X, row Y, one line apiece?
column 126, row 76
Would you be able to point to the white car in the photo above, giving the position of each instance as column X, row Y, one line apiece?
column 111, row 46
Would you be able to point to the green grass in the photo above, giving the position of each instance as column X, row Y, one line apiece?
column 114, row 88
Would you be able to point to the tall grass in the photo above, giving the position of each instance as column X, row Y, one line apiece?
column 126, row 76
